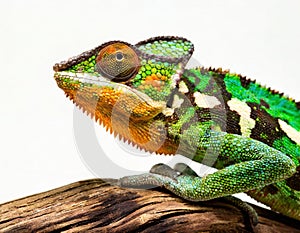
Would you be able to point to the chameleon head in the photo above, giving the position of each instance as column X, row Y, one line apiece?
column 126, row 85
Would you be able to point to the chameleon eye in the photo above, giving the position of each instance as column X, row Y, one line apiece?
column 118, row 62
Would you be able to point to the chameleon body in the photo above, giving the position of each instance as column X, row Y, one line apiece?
column 144, row 94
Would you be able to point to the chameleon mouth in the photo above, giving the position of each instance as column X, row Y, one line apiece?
column 81, row 78
column 75, row 81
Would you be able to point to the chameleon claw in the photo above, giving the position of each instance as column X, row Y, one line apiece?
column 164, row 170
column 179, row 169
column 184, row 169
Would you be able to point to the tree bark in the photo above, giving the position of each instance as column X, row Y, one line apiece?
column 97, row 206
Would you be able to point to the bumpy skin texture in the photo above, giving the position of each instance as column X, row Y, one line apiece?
column 144, row 94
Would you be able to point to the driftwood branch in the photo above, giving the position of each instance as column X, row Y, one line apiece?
column 96, row 206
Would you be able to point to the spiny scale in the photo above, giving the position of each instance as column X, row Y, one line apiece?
column 246, row 81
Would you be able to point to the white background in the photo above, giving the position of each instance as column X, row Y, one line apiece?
column 259, row 39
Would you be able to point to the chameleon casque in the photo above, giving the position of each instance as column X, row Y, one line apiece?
column 144, row 94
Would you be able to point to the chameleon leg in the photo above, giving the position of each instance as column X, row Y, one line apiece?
column 254, row 165
column 181, row 168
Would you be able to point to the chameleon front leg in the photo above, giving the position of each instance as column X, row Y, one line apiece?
column 183, row 169
column 254, row 165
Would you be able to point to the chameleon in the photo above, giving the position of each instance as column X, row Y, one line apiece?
column 143, row 93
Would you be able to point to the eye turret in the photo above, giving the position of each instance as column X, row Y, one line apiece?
column 118, row 62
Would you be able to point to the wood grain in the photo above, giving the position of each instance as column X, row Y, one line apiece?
column 97, row 206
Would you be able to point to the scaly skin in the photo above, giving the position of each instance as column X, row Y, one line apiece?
column 144, row 94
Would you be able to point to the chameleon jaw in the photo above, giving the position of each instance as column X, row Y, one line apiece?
column 116, row 95
column 123, row 111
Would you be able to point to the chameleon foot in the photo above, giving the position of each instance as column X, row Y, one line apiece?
column 164, row 170
column 179, row 169
column 184, row 169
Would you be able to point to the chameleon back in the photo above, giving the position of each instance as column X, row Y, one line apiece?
column 262, row 114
